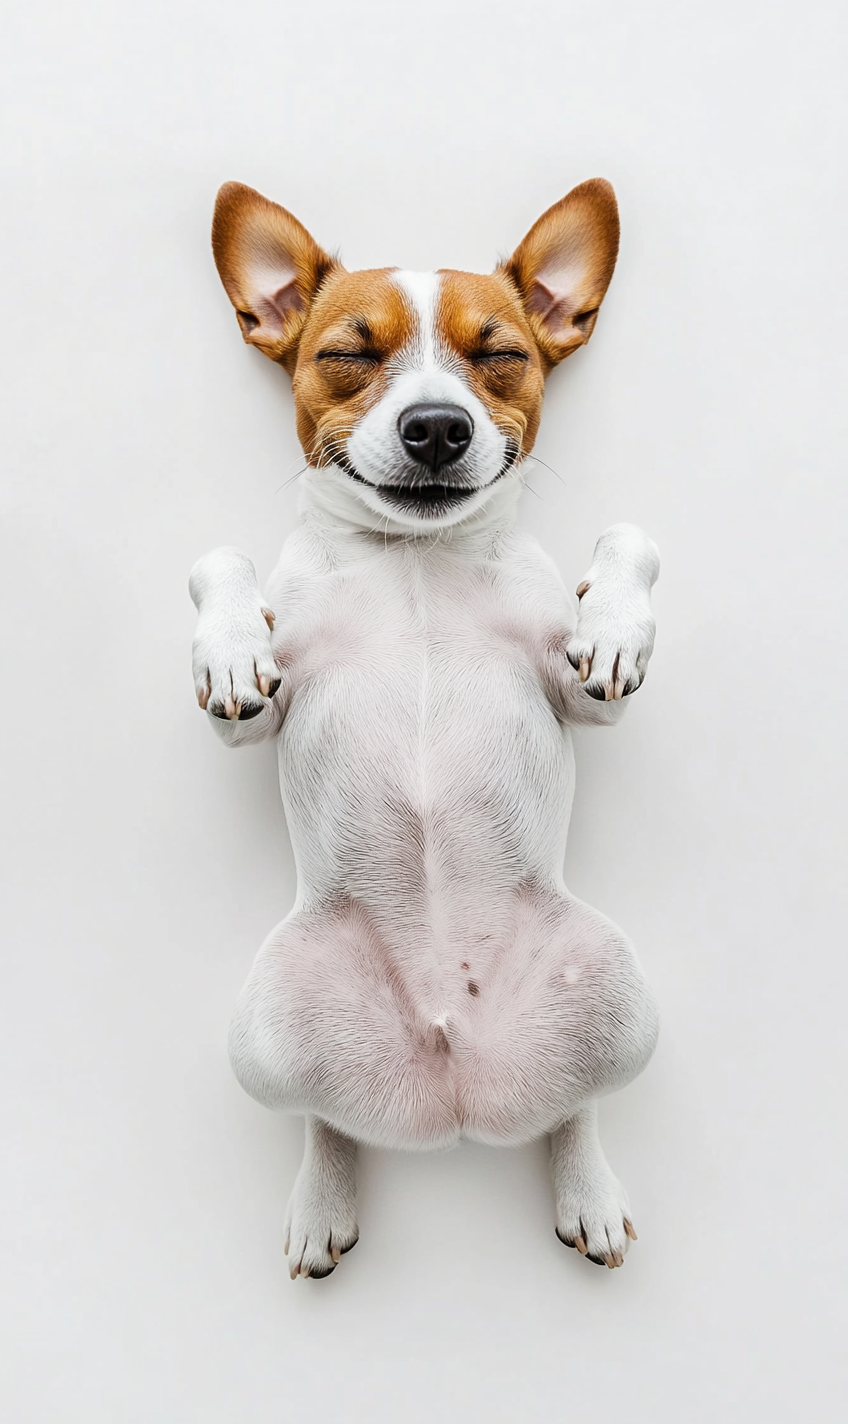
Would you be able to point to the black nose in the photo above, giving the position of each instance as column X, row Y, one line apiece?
column 435, row 434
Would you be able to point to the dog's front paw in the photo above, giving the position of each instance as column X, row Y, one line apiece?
column 232, row 661
column 613, row 641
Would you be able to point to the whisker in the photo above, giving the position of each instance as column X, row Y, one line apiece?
column 290, row 481
column 294, row 461
column 539, row 461
column 327, row 446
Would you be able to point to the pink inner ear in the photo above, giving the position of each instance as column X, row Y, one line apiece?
column 272, row 309
column 554, row 307
column 287, row 299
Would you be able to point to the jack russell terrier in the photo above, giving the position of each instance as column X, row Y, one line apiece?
column 420, row 664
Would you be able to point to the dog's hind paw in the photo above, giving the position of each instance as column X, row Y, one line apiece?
column 321, row 1217
column 315, row 1244
column 596, row 1222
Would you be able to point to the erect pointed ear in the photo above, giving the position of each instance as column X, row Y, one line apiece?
column 563, row 267
column 270, row 266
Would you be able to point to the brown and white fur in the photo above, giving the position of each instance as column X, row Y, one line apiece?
column 420, row 663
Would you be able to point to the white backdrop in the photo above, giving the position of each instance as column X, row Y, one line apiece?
column 144, row 1192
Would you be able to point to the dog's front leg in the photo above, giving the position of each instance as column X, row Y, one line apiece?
column 235, row 675
column 615, row 628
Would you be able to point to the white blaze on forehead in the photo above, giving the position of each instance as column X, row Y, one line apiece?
column 422, row 291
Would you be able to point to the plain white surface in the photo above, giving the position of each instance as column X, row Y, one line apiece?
column 144, row 1192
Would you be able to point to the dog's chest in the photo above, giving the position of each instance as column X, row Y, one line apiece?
column 407, row 619
column 412, row 656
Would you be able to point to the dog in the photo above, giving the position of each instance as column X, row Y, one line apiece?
column 420, row 664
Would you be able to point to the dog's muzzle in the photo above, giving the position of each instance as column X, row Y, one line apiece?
column 434, row 437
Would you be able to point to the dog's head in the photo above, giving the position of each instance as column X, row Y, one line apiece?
column 416, row 391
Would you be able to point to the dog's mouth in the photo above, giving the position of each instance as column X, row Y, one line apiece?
column 424, row 498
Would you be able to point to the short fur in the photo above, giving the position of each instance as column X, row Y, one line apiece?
column 420, row 664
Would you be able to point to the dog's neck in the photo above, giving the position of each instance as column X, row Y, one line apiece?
column 330, row 507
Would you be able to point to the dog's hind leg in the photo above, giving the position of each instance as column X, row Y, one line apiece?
column 321, row 1217
column 593, row 1213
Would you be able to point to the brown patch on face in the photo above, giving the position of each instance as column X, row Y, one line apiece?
column 358, row 322
column 481, row 320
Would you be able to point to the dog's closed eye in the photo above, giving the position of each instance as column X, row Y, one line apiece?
column 372, row 358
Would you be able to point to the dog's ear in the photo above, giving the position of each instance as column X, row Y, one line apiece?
column 563, row 267
column 270, row 266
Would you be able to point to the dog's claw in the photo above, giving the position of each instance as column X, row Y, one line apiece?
column 585, row 669
column 628, row 1227
column 581, row 1246
column 270, row 618
column 583, row 588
